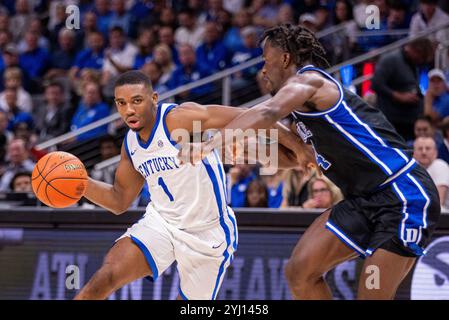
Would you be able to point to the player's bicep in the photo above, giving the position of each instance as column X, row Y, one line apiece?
column 128, row 182
column 288, row 98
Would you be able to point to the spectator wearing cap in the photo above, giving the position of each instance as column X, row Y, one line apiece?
column 91, row 57
column 13, row 79
column 212, row 53
column 425, row 152
column 443, row 148
column 233, row 39
column 119, row 56
column 35, row 60
column 51, row 116
column 429, row 16
column 310, row 21
column 189, row 71
column 190, row 31
column 90, row 109
column 17, row 160
column 436, row 100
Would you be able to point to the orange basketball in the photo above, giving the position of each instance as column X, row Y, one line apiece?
column 59, row 179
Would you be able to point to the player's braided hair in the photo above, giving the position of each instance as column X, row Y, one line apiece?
column 299, row 42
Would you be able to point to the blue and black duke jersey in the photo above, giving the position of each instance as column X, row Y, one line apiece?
column 355, row 145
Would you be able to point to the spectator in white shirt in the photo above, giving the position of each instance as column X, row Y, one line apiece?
column 425, row 152
column 120, row 55
column 13, row 79
column 429, row 16
column 189, row 32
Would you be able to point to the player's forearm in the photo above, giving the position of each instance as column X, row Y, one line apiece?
column 105, row 195
column 255, row 118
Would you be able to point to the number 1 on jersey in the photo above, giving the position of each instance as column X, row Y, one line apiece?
column 164, row 186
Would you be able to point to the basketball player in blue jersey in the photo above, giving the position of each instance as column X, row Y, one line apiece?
column 187, row 220
column 391, row 205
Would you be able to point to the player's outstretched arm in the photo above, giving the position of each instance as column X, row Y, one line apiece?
column 218, row 116
column 117, row 197
column 267, row 113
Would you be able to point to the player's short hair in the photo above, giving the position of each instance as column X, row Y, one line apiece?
column 133, row 77
column 299, row 41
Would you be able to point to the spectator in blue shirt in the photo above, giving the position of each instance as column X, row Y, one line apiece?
column 246, row 78
column 212, row 53
column 90, row 109
column 189, row 71
column 92, row 57
column 63, row 58
column 120, row 17
column 275, row 187
column 34, row 60
column 250, row 50
column 240, row 176
column 436, row 100
column 233, row 39
column 14, row 112
column 104, row 15
column 145, row 44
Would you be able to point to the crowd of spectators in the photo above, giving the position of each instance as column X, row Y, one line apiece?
column 54, row 78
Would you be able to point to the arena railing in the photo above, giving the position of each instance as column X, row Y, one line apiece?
column 225, row 77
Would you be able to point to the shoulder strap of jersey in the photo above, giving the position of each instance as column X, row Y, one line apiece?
column 325, row 74
column 165, row 109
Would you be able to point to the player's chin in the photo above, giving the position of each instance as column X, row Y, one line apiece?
column 135, row 129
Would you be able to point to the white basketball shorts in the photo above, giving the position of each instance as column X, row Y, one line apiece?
column 202, row 256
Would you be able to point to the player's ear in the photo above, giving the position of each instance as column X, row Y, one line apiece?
column 154, row 97
column 286, row 59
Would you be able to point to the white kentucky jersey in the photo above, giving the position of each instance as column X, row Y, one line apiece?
column 186, row 196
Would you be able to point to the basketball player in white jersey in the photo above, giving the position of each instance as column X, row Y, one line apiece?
column 187, row 219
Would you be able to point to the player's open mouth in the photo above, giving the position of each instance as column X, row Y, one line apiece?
column 133, row 123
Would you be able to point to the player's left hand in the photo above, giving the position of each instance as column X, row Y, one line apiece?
column 193, row 152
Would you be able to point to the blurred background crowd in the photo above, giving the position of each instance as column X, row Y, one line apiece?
column 56, row 79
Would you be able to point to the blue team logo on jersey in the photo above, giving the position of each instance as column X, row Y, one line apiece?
column 320, row 160
column 160, row 144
